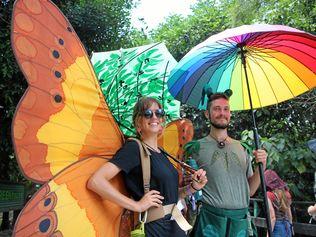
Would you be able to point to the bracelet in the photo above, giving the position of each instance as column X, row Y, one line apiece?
column 191, row 184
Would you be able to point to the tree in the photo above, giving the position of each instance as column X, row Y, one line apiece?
column 101, row 25
column 12, row 86
column 285, row 128
column 181, row 34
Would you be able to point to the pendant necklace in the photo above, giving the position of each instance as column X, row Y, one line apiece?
column 220, row 144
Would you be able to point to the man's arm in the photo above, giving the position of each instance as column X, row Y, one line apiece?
column 254, row 180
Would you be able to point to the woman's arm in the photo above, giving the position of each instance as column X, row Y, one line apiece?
column 99, row 183
column 289, row 215
column 272, row 215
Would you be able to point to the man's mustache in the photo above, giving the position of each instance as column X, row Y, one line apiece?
column 221, row 116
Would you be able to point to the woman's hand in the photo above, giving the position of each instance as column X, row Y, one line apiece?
column 199, row 179
column 150, row 199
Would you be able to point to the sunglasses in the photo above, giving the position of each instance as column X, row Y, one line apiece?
column 149, row 113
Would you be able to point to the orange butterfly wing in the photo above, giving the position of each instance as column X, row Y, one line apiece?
column 42, row 216
column 175, row 135
column 61, row 121
column 63, row 116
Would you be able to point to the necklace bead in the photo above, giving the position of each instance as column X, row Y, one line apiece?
column 220, row 144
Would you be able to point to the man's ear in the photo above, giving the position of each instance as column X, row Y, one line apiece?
column 206, row 113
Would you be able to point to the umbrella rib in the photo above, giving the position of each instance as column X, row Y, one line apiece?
column 279, row 75
column 221, row 44
column 271, row 56
column 254, row 82
column 242, row 88
column 227, row 65
column 219, row 65
column 233, row 44
column 275, row 43
column 255, row 60
column 208, row 47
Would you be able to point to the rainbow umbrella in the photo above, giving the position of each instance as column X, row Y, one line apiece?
column 279, row 61
column 262, row 64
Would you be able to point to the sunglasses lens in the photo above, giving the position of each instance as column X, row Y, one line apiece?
column 148, row 114
column 160, row 113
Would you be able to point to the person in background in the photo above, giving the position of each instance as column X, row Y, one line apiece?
column 279, row 199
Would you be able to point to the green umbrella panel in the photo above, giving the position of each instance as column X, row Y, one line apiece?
column 127, row 74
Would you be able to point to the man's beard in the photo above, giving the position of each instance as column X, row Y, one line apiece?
column 219, row 126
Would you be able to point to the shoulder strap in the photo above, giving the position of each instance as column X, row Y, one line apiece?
column 145, row 161
column 181, row 163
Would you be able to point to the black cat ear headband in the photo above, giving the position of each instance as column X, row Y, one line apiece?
column 208, row 92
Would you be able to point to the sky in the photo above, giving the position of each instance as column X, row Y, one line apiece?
column 154, row 11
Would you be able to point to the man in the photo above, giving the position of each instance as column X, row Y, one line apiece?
column 231, row 178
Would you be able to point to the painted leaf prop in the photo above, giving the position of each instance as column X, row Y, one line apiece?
column 62, row 116
column 176, row 134
column 65, row 207
column 127, row 74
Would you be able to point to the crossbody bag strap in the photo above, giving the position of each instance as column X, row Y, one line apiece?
column 145, row 161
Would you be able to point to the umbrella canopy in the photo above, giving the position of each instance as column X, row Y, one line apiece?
column 280, row 62
column 127, row 74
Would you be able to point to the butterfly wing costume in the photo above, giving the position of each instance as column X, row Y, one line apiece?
column 62, row 130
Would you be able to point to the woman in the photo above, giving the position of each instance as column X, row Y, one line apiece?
column 279, row 199
column 148, row 118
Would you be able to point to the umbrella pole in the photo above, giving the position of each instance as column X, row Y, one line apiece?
column 256, row 139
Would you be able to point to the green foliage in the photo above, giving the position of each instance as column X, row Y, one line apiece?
column 101, row 25
column 181, row 34
column 292, row 160
column 299, row 14
column 191, row 148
